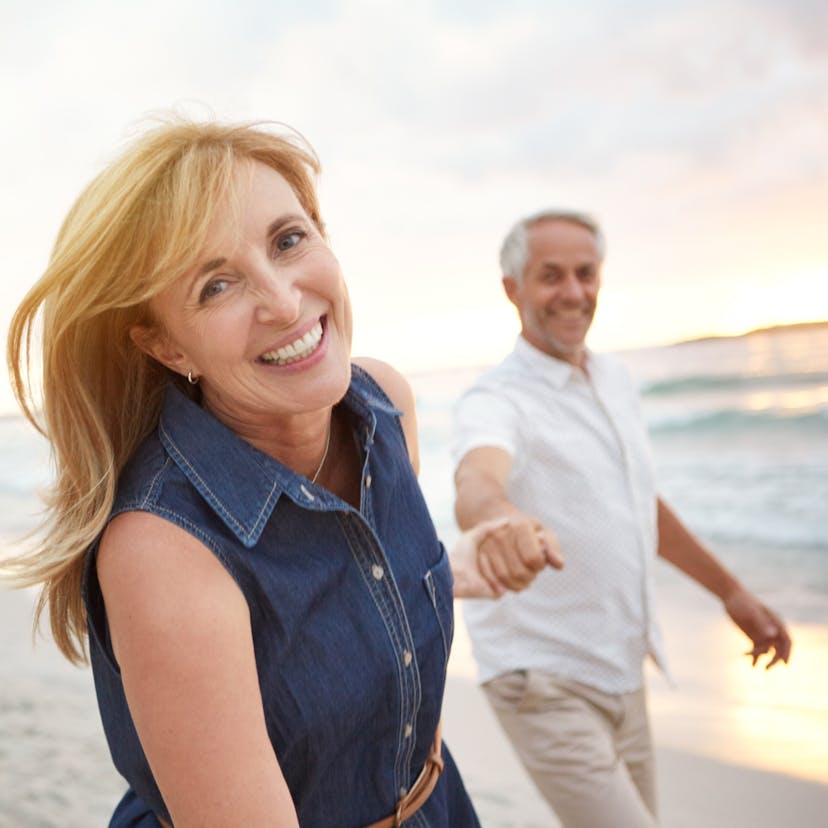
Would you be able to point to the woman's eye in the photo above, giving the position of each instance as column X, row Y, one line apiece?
column 289, row 240
column 213, row 288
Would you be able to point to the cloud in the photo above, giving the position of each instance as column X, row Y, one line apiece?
column 685, row 126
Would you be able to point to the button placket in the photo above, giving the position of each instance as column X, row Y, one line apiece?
column 381, row 584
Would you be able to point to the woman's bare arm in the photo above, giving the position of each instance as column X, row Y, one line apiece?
column 181, row 633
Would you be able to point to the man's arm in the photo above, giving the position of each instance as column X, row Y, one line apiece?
column 678, row 545
column 513, row 553
column 465, row 560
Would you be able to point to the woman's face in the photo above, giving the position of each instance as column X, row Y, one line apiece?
column 263, row 316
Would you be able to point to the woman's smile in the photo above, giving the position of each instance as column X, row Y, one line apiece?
column 299, row 349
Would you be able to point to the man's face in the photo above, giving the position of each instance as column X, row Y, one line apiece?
column 557, row 296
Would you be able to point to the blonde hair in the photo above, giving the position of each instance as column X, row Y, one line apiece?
column 132, row 232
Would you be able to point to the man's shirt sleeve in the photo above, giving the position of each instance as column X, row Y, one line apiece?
column 484, row 416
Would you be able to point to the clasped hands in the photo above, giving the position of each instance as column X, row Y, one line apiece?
column 501, row 555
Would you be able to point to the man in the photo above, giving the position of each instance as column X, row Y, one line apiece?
column 553, row 439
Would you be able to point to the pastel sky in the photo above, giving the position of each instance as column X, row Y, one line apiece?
column 695, row 130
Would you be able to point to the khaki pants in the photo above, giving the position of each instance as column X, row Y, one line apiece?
column 588, row 752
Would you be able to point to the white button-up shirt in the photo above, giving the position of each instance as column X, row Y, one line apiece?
column 581, row 464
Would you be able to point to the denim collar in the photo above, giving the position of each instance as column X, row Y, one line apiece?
column 240, row 483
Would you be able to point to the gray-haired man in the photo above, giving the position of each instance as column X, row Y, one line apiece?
column 553, row 439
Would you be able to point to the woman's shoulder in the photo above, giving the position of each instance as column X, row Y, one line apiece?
column 142, row 468
column 141, row 546
column 154, row 493
column 398, row 390
column 393, row 384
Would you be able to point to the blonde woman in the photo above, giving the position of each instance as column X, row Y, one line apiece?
column 235, row 520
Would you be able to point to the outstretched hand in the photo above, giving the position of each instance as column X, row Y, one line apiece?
column 511, row 556
column 502, row 554
column 763, row 626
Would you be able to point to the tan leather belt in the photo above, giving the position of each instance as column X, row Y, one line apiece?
column 419, row 793
column 421, row 789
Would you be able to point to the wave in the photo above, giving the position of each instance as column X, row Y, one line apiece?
column 717, row 382
column 794, row 541
column 739, row 419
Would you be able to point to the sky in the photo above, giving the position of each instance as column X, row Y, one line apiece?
column 696, row 131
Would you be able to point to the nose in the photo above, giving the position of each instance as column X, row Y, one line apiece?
column 278, row 296
column 572, row 290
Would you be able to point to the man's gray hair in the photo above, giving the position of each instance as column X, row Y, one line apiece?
column 515, row 248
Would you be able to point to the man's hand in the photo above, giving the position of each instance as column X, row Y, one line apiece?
column 516, row 546
column 511, row 555
column 763, row 626
column 488, row 560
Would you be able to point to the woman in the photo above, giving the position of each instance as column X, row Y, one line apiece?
column 236, row 515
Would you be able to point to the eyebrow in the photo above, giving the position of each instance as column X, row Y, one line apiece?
column 280, row 222
column 213, row 264
column 551, row 264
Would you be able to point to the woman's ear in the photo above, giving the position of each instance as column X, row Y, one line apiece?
column 156, row 344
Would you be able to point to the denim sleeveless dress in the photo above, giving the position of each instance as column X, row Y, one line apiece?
column 351, row 612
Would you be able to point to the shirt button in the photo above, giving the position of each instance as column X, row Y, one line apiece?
column 368, row 482
column 407, row 733
column 407, row 658
column 403, row 792
column 377, row 571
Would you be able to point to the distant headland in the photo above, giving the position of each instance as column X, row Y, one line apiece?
column 771, row 329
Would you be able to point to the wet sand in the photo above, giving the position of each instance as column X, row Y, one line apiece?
column 55, row 768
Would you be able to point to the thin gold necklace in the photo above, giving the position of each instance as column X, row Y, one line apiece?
column 324, row 453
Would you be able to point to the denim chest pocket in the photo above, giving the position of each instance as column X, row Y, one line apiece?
column 439, row 584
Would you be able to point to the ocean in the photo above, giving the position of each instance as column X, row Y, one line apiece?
column 739, row 428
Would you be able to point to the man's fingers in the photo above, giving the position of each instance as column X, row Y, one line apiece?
column 776, row 657
column 551, row 549
column 754, row 656
column 512, row 550
column 503, row 549
column 531, row 554
column 488, row 574
column 501, row 559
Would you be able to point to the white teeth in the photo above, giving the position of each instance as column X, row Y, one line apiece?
column 298, row 349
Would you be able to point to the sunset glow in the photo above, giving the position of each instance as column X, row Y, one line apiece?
column 697, row 139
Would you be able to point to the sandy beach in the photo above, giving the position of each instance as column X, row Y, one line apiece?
column 55, row 768
column 694, row 791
